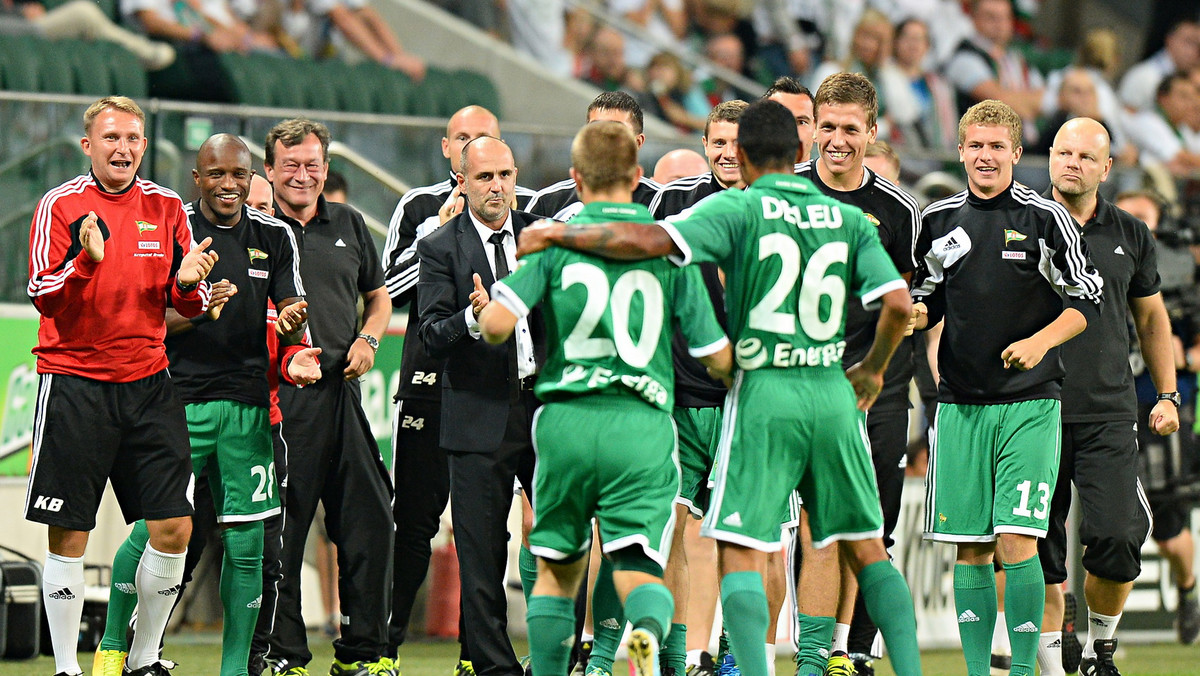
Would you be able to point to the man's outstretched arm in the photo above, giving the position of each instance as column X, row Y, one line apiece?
column 620, row 241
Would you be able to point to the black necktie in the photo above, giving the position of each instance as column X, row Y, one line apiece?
column 497, row 242
column 514, row 378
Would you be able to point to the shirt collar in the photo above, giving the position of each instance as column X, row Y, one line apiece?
column 485, row 232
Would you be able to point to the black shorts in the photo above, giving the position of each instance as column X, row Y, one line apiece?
column 1171, row 516
column 87, row 432
column 888, row 432
column 1101, row 458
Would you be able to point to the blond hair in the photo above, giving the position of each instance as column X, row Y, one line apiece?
column 726, row 111
column 991, row 113
column 604, row 154
column 121, row 103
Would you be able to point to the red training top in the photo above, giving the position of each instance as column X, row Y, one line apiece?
column 106, row 320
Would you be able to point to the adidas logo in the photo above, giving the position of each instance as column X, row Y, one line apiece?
column 1119, row 250
column 126, row 587
column 256, row 603
column 951, row 245
column 1056, row 643
column 568, row 642
column 610, row 623
column 734, row 519
column 170, row 591
column 63, row 594
column 1026, row 628
column 968, row 616
column 1099, row 622
column 339, row 242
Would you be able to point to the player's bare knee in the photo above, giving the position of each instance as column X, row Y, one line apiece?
column 170, row 536
column 862, row 553
column 1014, row 548
column 64, row 542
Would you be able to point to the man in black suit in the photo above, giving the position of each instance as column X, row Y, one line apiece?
column 487, row 390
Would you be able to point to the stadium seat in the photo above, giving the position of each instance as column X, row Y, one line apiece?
column 470, row 88
column 320, row 92
column 87, row 61
column 21, row 63
column 395, row 92
column 355, row 85
column 127, row 77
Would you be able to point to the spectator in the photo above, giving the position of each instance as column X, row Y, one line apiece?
column 1165, row 135
column 604, row 62
column 727, row 51
column 539, row 29
column 211, row 23
column 1181, row 51
column 985, row 67
column 665, row 21
column 936, row 125
column 670, row 94
column 80, row 20
column 790, row 36
column 952, row 23
column 1067, row 92
column 483, row 15
column 870, row 54
column 678, row 164
column 312, row 23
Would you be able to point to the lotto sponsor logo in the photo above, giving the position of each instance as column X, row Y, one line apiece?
column 145, row 226
column 170, row 591
column 257, row 274
column 1026, row 628
column 968, row 616
column 64, row 594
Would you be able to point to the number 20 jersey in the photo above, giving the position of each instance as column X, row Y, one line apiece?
column 792, row 258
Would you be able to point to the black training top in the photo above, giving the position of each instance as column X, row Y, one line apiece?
column 1099, row 383
column 416, row 216
column 1000, row 270
column 560, row 201
column 897, row 220
column 228, row 359
column 339, row 263
column 693, row 387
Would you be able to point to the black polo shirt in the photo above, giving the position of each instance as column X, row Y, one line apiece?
column 339, row 263
column 693, row 386
column 897, row 220
column 228, row 359
column 1098, row 385
column 561, row 202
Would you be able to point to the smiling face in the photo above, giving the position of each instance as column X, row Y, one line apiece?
column 489, row 179
column 720, row 148
column 223, row 172
column 115, row 143
column 298, row 173
column 988, row 155
column 842, row 139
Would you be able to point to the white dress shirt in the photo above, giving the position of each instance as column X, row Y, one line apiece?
column 526, row 364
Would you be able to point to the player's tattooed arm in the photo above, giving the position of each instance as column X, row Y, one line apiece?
column 621, row 241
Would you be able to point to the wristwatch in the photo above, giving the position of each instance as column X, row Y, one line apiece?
column 1172, row 397
column 372, row 341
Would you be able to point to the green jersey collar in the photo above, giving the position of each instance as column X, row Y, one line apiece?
column 599, row 212
column 785, row 182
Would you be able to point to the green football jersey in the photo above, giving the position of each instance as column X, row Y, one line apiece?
column 609, row 323
column 792, row 258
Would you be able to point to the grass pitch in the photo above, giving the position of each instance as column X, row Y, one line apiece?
column 198, row 654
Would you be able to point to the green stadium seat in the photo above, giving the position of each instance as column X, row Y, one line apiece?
column 21, row 63
column 395, row 92
column 127, row 77
column 356, row 85
column 321, row 93
column 251, row 86
column 56, row 74
column 87, row 61
column 471, row 88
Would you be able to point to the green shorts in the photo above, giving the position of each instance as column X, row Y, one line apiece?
column 789, row 429
column 233, row 441
column 607, row 456
column 992, row 469
column 699, row 435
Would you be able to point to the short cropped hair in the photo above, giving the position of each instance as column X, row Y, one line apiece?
column 619, row 101
column 121, row 103
column 604, row 154
column 767, row 135
column 293, row 132
column 881, row 148
column 852, row 88
column 726, row 111
column 992, row 113
column 786, row 84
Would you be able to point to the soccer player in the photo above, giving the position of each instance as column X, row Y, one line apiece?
column 1010, row 275
column 847, row 107
column 791, row 255
column 794, row 96
column 108, row 252
column 606, row 444
column 1099, row 436
column 561, row 200
column 219, row 363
